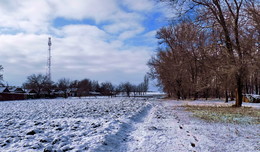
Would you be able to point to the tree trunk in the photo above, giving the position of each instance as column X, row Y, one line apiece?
column 247, row 89
column 232, row 96
column 196, row 95
column 256, row 86
column 239, row 89
column 226, row 94
column 178, row 95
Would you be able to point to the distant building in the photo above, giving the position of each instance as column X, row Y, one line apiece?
column 14, row 94
column 16, row 90
column 253, row 98
column 30, row 93
column 4, row 90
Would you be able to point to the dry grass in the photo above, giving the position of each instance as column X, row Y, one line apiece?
column 224, row 114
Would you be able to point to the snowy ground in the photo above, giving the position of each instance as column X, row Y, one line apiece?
column 118, row 125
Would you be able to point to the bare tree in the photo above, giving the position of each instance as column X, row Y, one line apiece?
column 126, row 87
column 180, row 63
column 1, row 75
column 107, row 89
column 74, row 84
column 145, row 84
column 84, row 87
column 253, row 11
column 229, row 18
column 95, row 86
column 64, row 84
column 142, row 88
column 38, row 83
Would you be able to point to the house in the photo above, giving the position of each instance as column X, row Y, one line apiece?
column 16, row 90
column 58, row 93
column 93, row 93
column 31, row 93
column 73, row 92
column 19, row 90
column 5, row 94
column 45, row 93
column 11, row 89
column 4, row 90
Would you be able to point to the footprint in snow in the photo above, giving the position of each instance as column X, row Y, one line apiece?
column 95, row 125
column 31, row 132
column 152, row 128
column 192, row 144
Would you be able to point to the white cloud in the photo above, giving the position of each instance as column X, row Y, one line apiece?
column 27, row 15
column 93, row 50
column 78, row 51
column 141, row 5
column 130, row 33
column 102, row 10
column 87, row 31
column 122, row 26
column 82, row 50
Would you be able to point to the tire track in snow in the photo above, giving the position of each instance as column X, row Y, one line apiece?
column 117, row 142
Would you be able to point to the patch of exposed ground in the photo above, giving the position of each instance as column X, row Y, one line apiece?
column 226, row 114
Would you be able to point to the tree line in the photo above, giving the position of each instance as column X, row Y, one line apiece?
column 212, row 49
column 41, row 83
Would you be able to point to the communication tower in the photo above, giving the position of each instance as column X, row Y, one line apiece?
column 49, row 60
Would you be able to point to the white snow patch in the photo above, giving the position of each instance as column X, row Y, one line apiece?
column 118, row 125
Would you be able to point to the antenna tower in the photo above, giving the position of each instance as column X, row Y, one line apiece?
column 49, row 60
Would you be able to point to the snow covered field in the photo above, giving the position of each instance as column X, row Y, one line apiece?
column 118, row 125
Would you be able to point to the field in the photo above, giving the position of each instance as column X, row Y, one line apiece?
column 126, row 124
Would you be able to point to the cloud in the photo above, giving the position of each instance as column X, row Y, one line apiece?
column 142, row 5
column 90, row 47
column 102, row 10
column 122, row 26
column 27, row 16
column 83, row 49
column 99, row 51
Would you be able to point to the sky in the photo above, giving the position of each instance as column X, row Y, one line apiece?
column 104, row 40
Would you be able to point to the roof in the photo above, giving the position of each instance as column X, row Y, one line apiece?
column 3, row 89
column 19, row 90
column 12, row 89
column 30, row 91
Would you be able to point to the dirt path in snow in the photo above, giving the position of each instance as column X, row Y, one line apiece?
column 162, row 130
column 163, row 126
column 118, row 142
column 168, row 127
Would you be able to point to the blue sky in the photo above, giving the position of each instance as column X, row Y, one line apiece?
column 104, row 40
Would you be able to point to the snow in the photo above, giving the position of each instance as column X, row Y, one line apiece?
column 253, row 98
column 218, row 103
column 256, row 96
column 118, row 125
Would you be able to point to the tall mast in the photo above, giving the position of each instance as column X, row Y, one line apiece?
column 49, row 59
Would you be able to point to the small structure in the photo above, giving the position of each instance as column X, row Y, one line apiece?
column 16, row 90
column 4, row 90
column 73, row 92
column 5, row 94
column 251, row 98
column 45, row 93
column 31, row 94
column 58, row 93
